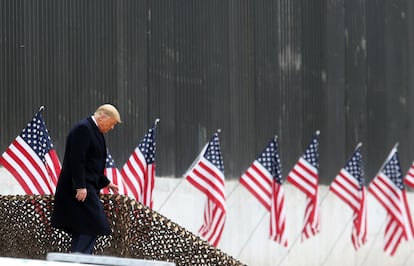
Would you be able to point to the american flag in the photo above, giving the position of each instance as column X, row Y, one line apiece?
column 304, row 176
column 409, row 177
column 388, row 188
column 264, row 180
column 32, row 160
column 207, row 175
column 349, row 186
column 113, row 174
column 138, row 172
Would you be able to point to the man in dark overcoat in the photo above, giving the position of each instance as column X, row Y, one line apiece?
column 77, row 207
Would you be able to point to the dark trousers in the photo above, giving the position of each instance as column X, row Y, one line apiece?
column 83, row 243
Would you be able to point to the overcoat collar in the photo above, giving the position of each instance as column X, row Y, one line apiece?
column 98, row 133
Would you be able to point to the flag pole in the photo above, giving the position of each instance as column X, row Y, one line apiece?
column 169, row 195
column 198, row 157
column 299, row 235
column 41, row 108
column 343, row 230
column 260, row 221
column 238, row 183
column 320, row 205
column 336, row 241
column 388, row 157
column 408, row 257
column 187, row 171
column 251, row 235
column 382, row 166
column 231, row 192
column 373, row 244
column 324, row 197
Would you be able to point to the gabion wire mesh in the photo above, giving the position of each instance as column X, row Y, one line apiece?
column 137, row 232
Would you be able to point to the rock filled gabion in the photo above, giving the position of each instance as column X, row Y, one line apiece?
column 137, row 232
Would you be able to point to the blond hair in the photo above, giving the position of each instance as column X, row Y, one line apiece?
column 108, row 110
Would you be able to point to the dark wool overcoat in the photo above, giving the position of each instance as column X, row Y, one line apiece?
column 83, row 167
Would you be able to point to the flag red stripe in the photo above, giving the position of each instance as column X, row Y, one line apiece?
column 306, row 169
column 208, row 183
column 211, row 193
column 208, row 178
column 348, row 193
column 259, row 183
column 149, row 185
column 277, row 216
column 132, row 177
column 27, row 176
column 409, row 178
column 377, row 187
column 311, row 225
column 393, row 237
column 34, row 164
column 392, row 197
column 265, row 178
column 304, row 178
column 217, row 178
column 300, row 186
column 260, row 195
column 35, row 167
column 131, row 187
column 54, row 167
column 409, row 224
column 213, row 226
column 16, row 175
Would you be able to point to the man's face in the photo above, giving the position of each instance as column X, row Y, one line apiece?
column 106, row 124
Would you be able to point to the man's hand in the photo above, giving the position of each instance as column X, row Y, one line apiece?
column 113, row 187
column 81, row 194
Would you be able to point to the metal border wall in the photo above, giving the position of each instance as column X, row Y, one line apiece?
column 251, row 68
